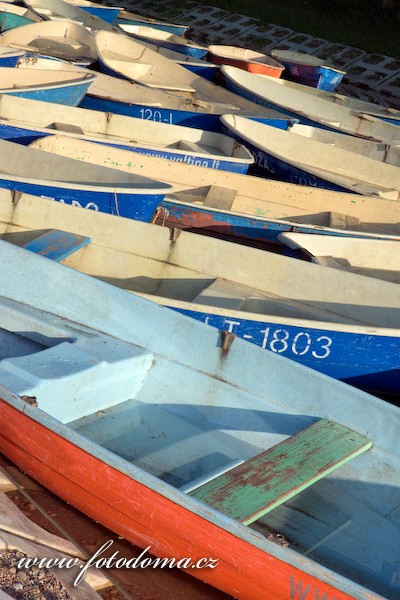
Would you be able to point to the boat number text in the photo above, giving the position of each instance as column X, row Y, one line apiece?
column 155, row 115
column 89, row 205
column 281, row 340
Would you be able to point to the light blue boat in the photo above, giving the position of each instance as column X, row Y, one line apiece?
column 27, row 170
column 12, row 16
column 338, row 325
column 60, row 87
column 139, row 410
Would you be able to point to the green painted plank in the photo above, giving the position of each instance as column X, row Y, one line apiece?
column 262, row 483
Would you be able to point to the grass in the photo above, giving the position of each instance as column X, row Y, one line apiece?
column 351, row 22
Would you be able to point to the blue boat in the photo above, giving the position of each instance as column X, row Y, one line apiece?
column 139, row 412
column 316, row 157
column 10, row 57
column 115, row 95
column 72, row 182
column 243, row 208
column 164, row 39
column 108, row 14
column 309, row 70
column 171, row 142
column 129, row 18
column 330, row 320
column 60, row 87
column 309, row 109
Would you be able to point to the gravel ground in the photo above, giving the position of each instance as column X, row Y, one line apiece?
column 28, row 584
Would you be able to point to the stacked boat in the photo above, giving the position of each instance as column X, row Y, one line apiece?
column 202, row 397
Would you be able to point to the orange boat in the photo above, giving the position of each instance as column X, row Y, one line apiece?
column 246, row 59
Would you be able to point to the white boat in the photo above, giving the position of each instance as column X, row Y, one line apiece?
column 209, row 200
column 375, row 258
column 61, row 39
column 123, row 56
column 56, row 10
column 320, row 159
column 25, row 120
column 331, row 320
column 310, row 109
column 130, row 18
column 390, row 114
column 165, row 39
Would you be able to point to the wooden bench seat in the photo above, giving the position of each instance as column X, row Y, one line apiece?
column 250, row 490
column 56, row 244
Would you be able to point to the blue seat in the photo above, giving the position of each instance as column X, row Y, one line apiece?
column 57, row 245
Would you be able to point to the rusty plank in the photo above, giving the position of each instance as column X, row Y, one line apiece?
column 262, row 483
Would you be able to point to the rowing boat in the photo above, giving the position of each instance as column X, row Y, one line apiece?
column 32, row 171
column 61, row 39
column 320, row 158
column 309, row 109
column 335, row 324
column 24, row 121
column 165, row 39
column 114, row 404
column 246, row 59
column 56, row 10
column 61, row 87
column 12, row 16
column 242, row 207
column 309, row 69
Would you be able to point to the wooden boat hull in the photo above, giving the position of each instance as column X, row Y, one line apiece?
column 111, row 498
column 226, row 55
column 211, row 405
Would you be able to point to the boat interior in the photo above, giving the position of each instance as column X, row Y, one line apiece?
column 194, row 428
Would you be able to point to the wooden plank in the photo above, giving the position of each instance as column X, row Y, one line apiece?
column 14, row 521
column 220, row 197
column 269, row 479
column 56, row 244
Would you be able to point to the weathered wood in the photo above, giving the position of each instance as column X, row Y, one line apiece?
column 57, row 245
column 220, row 197
column 14, row 521
column 269, row 479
